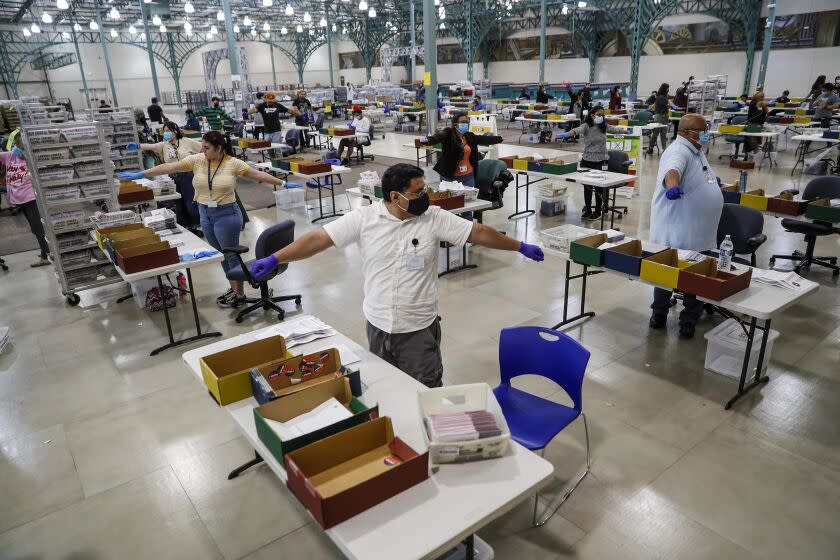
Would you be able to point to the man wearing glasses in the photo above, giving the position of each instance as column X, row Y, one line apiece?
column 685, row 211
column 398, row 239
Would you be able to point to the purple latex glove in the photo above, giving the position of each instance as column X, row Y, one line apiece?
column 531, row 251
column 130, row 175
column 674, row 193
column 262, row 268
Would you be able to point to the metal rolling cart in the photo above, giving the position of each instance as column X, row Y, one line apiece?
column 73, row 178
column 120, row 130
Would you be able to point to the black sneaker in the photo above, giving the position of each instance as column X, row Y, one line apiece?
column 224, row 296
column 233, row 300
column 585, row 214
column 686, row 330
column 657, row 321
column 596, row 215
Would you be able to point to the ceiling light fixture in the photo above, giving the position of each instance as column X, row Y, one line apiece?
column 283, row 31
column 372, row 12
column 65, row 35
column 565, row 10
column 46, row 18
column 34, row 28
column 266, row 27
column 442, row 25
column 306, row 17
column 581, row 4
column 235, row 28
column 189, row 32
column 289, row 10
column 187, row 26
column 62, row 4
column 189, row 8
column 77, row 27
column 254, row 31
column 299, row 28
column 132, row 29
column 246, row 21
column 323, row 22
column 312, row 32
column 267, row 3
column 213, row 30
column 26, row 32
column 142, row 36
column 333, row 28
column 220, row 15
column 93, row 26
column 162, row 28
column 363, row 5
column 114, row 14
column 156, row 20
column 113, row 33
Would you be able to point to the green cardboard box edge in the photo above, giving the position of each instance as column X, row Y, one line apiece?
column 361, row 414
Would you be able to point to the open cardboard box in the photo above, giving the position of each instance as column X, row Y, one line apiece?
column 132, row 192
column 785, row 204
column 705, row 280
column 146, row 257
column 521, row 164
column 755, row 199
column 626, row 258
column 347, row 473
column 731, row 194
column 296, row 373
column 821, row 210
column 227, row 373
column 584, row 250
column 101, row 234
column 291, row 406
column 664, row 268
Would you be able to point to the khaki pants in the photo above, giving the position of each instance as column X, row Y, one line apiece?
column 416, row 353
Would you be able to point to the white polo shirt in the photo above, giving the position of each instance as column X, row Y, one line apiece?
column 400, row 291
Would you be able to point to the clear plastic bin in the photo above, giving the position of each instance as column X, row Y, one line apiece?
column 553, row 206
column 550, row 189
column 560, row 237
column 463, row 398
column 96, row 189
column 90, row 169
column 75, row 258
column 70, row 240
column 45, row 136
column 287, row 199
column 86, row 151
column 68, row 220
column 51, row 154
column 79, row 133
column 726, row 346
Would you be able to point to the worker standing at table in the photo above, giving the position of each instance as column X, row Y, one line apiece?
column 398, row 239
column 175, row 148
column 216, row 115
column 259, row 124
column 685, row 212
column 214, row 180
column 304, row 107
column 542, row 96
column 660, row 116
column 155, row 111
column 615, row 98
column 459, row 150
column 825, row 104
column 270, row 111
column 594, row 133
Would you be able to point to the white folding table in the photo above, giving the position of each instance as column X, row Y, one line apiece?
column 428, row 519
column 316, row 178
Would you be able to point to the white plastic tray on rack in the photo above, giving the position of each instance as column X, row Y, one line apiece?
column 560, row 237
column 87, row 151
column 113, row 219
column 67, row 220
column 57, row 154
column 90, row 169
column 79, row 133
column 108, row 270
column 73, row 241
column 44, row 136
column 75, row 258
column 80, row 277
column 69, row 192
column 57, row 173
column 96, row 189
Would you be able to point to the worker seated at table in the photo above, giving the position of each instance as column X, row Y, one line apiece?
column 459, row 150
column 741, row 102
column 398, row 238
column 478, row 104
column 361, row 125
column 542, row 96
column 784, row 98
column 685, row 211
column 651, row 100
column 523, row 94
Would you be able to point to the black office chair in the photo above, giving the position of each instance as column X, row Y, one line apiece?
column 734, row 138
column 744, row 225
column 360, row 155
column 270, row 241
column 618, row 162
column 491, row 180
column 821, row 187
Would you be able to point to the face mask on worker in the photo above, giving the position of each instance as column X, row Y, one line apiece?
column 416, row 206
column 599, row 119
column 703, row 138
column 463, row 127
column 168, row 136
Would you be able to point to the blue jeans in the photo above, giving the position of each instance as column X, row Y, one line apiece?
column 221, row 227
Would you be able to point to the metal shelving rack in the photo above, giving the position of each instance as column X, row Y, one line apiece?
column 703, row 95
column 66, row 214
column 120, row 129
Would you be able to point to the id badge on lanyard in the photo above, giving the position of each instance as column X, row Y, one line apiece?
column 210, row 177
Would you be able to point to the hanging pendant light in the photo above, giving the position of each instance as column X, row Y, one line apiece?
column 254, row 31
column 162, row 28
column 113, row 33
column 34, row 28
column 26, row 32
column 267, row 3
column 93, row 25
column 156, row 20
column 77, row 27
column 246, row 21
column 114, row 14
column 266, row 27
column 189, row 8
column 363, row 6
column 235, row 28
column 187, row 26
column 62, row 4
column 65, row 35
column 283, row 31
column 213, row 30
column 323, row 22
column 133, row 30
column 46, row 18
column 306, row 17
column 220, row 15
column 372, row 12
column 299, row 28
column 289, row 10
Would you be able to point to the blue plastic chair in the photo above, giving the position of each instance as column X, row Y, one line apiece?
column 534, row 421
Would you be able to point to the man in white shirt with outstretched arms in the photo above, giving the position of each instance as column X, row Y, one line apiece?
column 399, row 239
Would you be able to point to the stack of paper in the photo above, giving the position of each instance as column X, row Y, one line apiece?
column 690, row 256
column 782, row 279
column 462, row 426
column 5, row 337
column 300, row 330
column 325, row 414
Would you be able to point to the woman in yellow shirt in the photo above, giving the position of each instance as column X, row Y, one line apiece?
column 174, row 148
column 214, row 181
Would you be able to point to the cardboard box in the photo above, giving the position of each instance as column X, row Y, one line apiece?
column 101, row 234
column 291, row 406
column 663, row 268
column 243, row 142
column 521, row 164
column 254, row 144
column 132, row 192
column 347, row 473
column 705, row 280
column 559, row 167
column 626, row 258
column 509, row 161
column 450, row 202
column 146, row 256
column 785, row 204
column 227, row 373
column 821, row 210
column 584, row 250
column 741, row 164
column 731, row 128
column 285, row 163
column 731, row 194
column 296, row 373
column 755, row 199
column 312, row 167
column 753, row 128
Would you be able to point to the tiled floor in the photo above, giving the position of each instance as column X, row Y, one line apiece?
column 106, row 452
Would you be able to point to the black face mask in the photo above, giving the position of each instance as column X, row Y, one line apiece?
column 416, row 206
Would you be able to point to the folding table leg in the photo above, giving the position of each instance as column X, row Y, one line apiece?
column 758, row 379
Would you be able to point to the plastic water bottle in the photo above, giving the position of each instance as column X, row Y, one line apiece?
column 725, row 253
column 742, row 181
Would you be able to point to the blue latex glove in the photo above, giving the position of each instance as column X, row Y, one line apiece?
column 293, row 185
column 674, row 193
column 531, row 251
column 131, row 146
column 564, row 135
column 16, row 152
column 262, row 268
column 130, row 175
